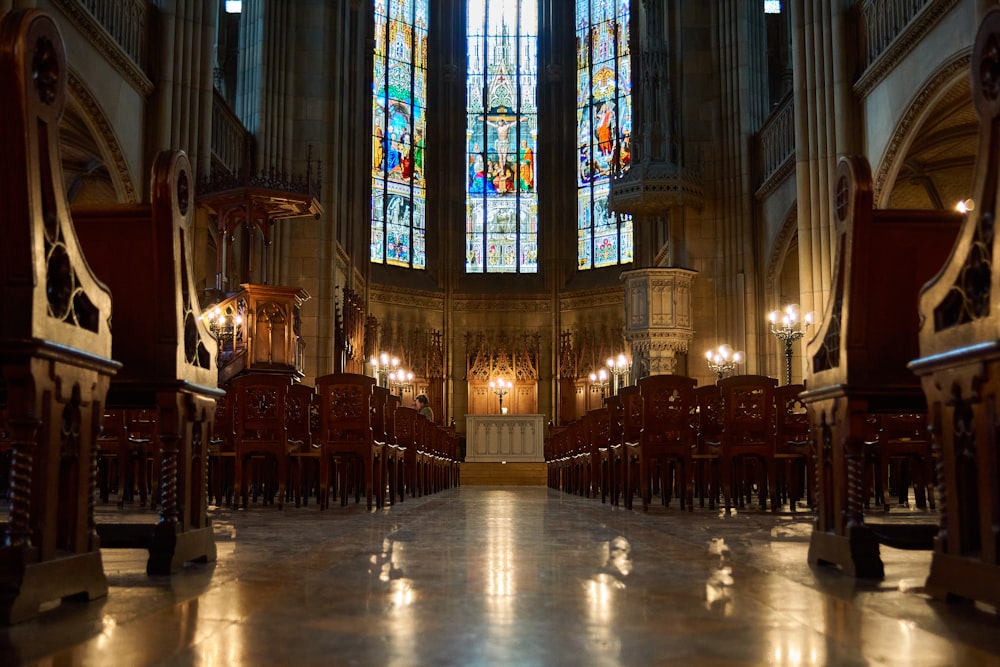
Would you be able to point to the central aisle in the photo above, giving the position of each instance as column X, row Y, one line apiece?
column 508, row 576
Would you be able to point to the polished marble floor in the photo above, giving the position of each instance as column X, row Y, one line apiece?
column 507, row 576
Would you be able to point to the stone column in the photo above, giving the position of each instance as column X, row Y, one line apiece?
column 181, row 109
column 825, row 128
column 658, row 318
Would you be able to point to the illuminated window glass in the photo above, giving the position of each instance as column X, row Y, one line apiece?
column 604, row 129
column 398, row 133
column 501, row 218
column 772, row 6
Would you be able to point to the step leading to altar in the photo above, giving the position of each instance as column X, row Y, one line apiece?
column 504, row 450
column 494, row 473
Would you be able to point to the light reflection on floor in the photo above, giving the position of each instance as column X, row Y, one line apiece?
column 481, row 576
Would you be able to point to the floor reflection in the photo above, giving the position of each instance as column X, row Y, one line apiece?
column 721, row 581
column 501, row 564
column 507, row 576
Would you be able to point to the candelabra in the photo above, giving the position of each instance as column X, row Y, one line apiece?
column 619, row 368
column 382, row 365
column 401, row 380
column 224, row 326
column 600, row 380
column 722, row 360
column 501, row 388
column 787, row 327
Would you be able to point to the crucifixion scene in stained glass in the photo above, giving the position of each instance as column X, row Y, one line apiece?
column 502, row 137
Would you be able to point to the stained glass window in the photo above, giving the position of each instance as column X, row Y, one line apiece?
column 398, row 133
column 501, row 215
column 604, row 129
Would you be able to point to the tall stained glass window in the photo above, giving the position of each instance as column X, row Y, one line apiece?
column 604, row 129
column 501, row 218
column 398, row 132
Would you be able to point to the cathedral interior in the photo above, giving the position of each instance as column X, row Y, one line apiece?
column 524, row 212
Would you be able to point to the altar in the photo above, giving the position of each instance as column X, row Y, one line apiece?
column 507, row 438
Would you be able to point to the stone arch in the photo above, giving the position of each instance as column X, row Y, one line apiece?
column 946, row 94
column 95, row 170
column 783, row 255
column 782, row 286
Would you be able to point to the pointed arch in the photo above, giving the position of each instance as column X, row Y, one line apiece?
column 953, row 72
column 86, row 127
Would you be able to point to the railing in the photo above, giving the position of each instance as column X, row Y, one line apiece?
column 883, row 20
column 125, row 21
column 231, row 141
column 777, row 139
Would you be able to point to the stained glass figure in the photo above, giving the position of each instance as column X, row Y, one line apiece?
column 398, row 133
column 502, row 137
column 604, row 129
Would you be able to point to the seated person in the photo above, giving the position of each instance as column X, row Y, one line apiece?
column 424, row 407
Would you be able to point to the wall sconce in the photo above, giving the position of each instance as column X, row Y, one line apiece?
column 600, row 379
column 383, row 364
column 401, row 380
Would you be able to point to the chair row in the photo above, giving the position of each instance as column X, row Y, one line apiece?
column 742, row 437
column 277, row 439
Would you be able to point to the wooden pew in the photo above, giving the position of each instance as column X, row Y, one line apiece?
column 857, row 361
column 666, row 439
column 792, row 446
column 302, row 424
column 959, row 366
column 262, row 448
column 346, row 437
column 143, row 252
column 55, row 340
column 631, row 429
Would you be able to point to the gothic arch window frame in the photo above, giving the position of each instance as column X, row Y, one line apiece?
column 501, row 112
column 604, row 129
column 399, row 128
